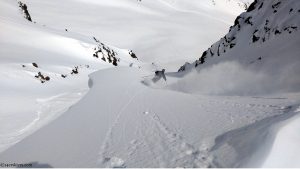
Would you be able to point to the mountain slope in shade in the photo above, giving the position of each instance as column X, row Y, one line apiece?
column 263, row 43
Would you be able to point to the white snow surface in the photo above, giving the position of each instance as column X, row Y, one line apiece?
column 25, row 102
column 286, row 146
column 123, row 116
column 124, row 124
column 160, row 31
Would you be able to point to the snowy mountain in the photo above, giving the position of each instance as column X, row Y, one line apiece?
column 82, row 84
column 264, row 36
column 142, row 25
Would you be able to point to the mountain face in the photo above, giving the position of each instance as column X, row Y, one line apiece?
column 264, row 22
column 264, row 39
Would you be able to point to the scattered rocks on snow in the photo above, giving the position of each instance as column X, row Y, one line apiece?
column 183, row 68
column 25, row 11
column 35, row 65
column 107, row 54
column 75, row 70
column 42, row 77
column 260, row 6
column 255, row 38
column 252, row 6
column 248, row 21
column 277, row 32
column 133, row 55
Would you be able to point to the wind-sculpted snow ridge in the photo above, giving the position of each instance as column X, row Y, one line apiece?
column 284, row 147
column 235, row 143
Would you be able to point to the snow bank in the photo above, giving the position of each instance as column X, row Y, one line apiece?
column 249, row 146
column 285, row 150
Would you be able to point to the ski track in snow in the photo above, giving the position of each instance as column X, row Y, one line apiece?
column 164, row 145
column 53, row 106
column 170, row 149
column 183, row 153
column 159, row 140
column 114, row 161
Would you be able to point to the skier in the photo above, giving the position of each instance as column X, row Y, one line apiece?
column 160, row 74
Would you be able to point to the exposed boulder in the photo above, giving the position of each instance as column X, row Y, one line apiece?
column 25, row 11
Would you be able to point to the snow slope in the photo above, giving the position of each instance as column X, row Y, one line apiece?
column 127, row 117
column 60, row 40
column 124, row 124
column 160, row 31
column 27, row 49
